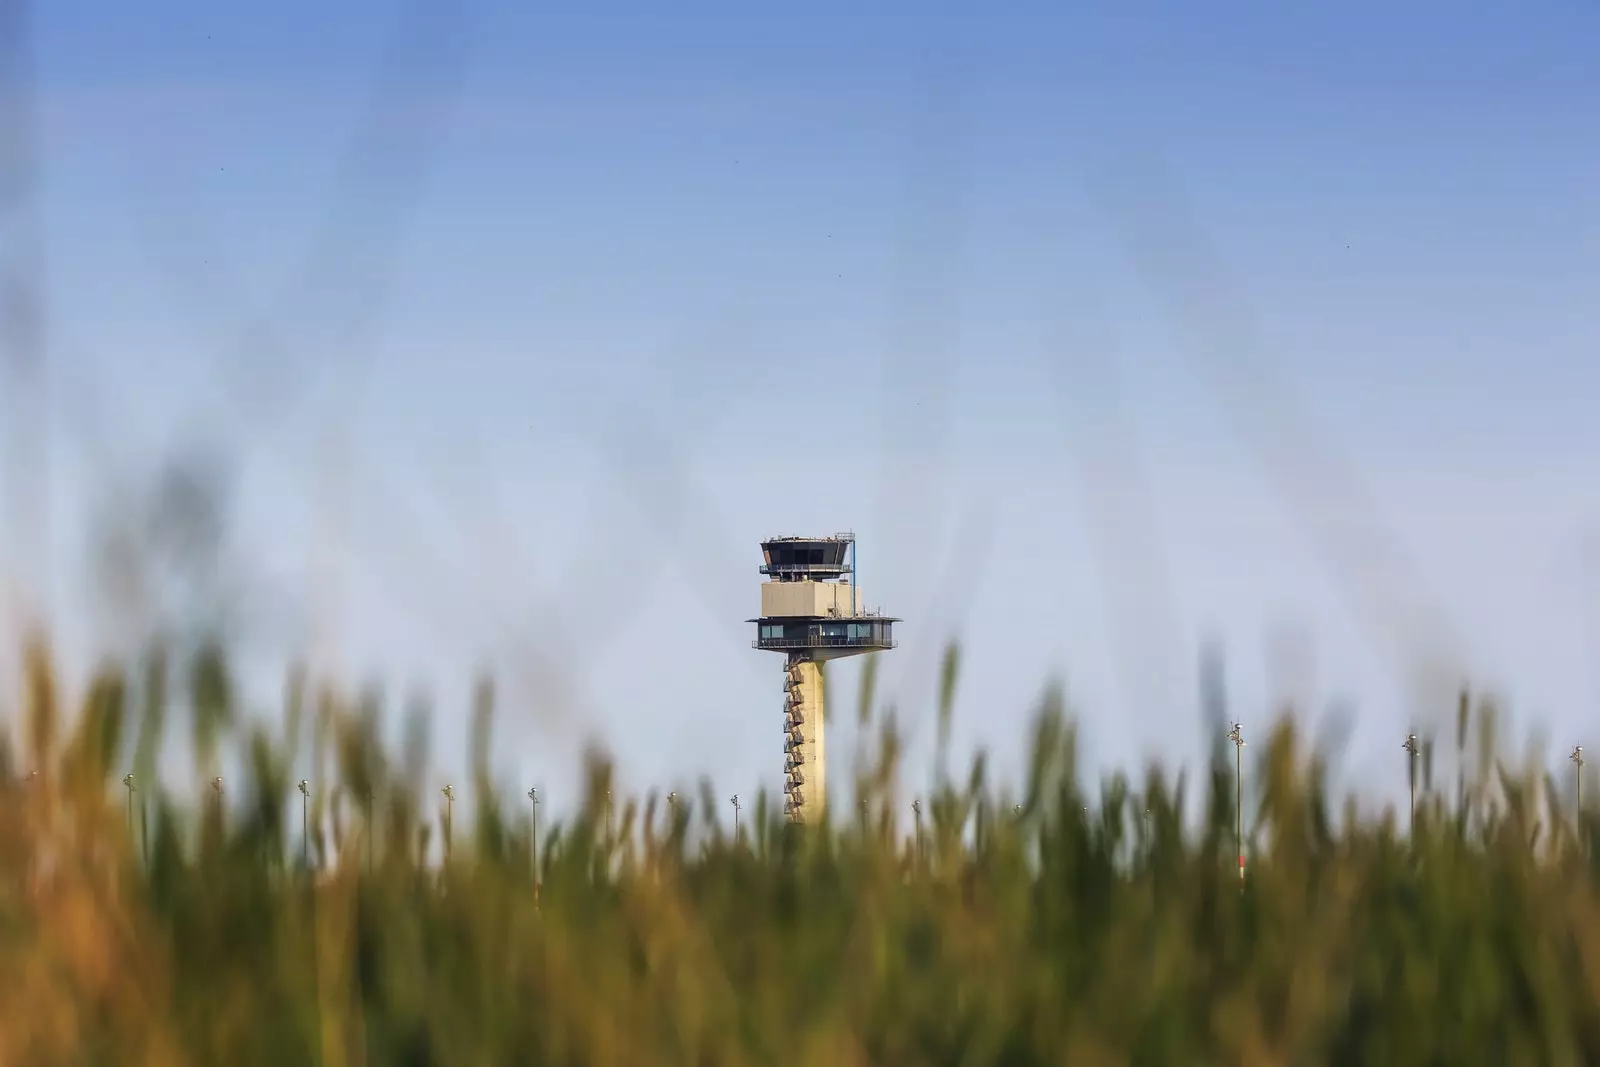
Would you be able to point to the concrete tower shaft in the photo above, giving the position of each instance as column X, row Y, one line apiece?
column 805, row 749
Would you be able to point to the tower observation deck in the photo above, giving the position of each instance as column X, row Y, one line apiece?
column 812, row 611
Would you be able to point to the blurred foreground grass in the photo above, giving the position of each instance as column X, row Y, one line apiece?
column 1062, row 924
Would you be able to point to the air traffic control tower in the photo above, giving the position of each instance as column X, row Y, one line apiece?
column 812, row 611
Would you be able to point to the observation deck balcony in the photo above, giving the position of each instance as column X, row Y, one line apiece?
column 862, row 634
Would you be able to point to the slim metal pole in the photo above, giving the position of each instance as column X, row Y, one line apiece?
column 1577, row 819
column 1410, row 748
column 127, row 780
column 144, row 835
column 449, row 819
column 533, row 797
column 738, row 830
column 916, row 814
column 533, row 849
column 32, row 803
column 1236, row 735
column 855, row 574
column 305, row 825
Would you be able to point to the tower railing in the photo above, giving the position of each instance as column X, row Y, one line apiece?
column 832, row 569
column 822, row 642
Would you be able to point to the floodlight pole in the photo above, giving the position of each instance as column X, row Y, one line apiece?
column 1410, row 748
column 533, row 797
column 449, row 819
column 738, row 830
column 305, row 825
column 127, row 780
column 140, row 837
column 1577, row 759
column 372, row 833
column 916, row 815
column 1236, row 735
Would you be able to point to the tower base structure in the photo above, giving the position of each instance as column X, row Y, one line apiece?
column 804, row 748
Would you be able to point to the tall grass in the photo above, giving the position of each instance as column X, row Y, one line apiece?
column 1067, row 923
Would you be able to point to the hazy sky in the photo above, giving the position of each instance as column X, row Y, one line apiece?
column 1105, row 326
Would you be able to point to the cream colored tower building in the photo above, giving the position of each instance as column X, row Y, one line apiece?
column 812, row 611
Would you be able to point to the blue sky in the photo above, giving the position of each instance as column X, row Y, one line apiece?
column 533, row 306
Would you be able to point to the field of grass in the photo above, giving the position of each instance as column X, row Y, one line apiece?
column 1056, row 921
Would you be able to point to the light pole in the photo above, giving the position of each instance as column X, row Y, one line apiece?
column 1577, row 759
column 533, row 798
column 916, row 818
column 449, row 819
column 305, row 825
column 143, row 838
column 32, row 802
column 366, row 803
column 738, row 831
column 127, row 780
column 1410, row 748
column 533, row 850
column 1236, row 735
